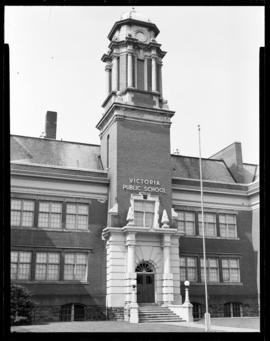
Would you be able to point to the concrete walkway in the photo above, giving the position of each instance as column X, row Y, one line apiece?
column 231, row 325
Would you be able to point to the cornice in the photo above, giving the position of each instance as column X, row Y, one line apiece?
column 106, row 116
column 59, row 176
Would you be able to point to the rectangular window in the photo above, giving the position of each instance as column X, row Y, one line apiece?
column 227, row 225
column 186, row 222
column 75, row 268
column 188, row 269
column 47, row 266
column 212, row 269
column 20, row 265
column 144, row 213
column 22, row 212
column 77, row 217
column 50, row 215
column 209, row 225
column 230, row 270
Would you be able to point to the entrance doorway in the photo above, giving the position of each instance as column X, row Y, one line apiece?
column 145, row 283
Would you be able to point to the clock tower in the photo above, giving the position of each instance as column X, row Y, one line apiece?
column 135, row 150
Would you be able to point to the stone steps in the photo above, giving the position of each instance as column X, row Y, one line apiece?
column 156, row 313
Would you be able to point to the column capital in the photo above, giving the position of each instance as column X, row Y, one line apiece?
column 131, row 239
column 166, row 240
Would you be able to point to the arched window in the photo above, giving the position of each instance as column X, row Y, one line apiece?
column 233, row 309
column 144, row 267
column 73, row 312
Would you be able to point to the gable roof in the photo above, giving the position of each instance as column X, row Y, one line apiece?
column 189, row 168
column 33, row 150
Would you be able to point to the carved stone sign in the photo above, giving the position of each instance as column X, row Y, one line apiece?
column 144, row 185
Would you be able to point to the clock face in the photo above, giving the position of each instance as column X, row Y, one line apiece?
column 140, row 36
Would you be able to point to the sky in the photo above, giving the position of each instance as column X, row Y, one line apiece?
column 210, row 71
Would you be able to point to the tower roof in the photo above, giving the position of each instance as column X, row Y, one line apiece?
column 135, row 18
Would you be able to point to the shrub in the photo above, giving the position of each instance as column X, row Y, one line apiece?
column 21, row 304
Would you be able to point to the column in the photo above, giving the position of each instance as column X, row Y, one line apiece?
column 108, row 78
column 114, row 73
column 160, row 79
column 154, row 74
column 167, row 287
column 131, row 275
column 131, row 242
column 130, row 80
column 145, row 74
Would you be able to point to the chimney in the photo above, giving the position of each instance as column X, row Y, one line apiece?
column 51, row 123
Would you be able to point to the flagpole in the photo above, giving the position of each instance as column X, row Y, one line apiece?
column 206, row 315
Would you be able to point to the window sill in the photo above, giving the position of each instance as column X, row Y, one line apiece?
column 47, row 282
column 46, row 229
column 217, row 283
column 215, row 237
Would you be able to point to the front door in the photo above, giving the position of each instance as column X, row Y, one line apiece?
column 145, row 288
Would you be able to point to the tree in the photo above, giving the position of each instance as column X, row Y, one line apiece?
column 21, row 304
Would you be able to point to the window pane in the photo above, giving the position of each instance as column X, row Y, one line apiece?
column 225, row 263
column 213, row 275
column 41, row 257
column 27, row 219
column 182, row 261
column 138, row 219
column 211, row 218
column 56, row 207
column 24, row 271
column 80, row 272
column 191, row 274
column 231, row 219
column 44, row 207
column 190, row 228
column 212, row 262
column 235, row 276
column 231, row 231
column 40, row 272
column 222, row 229
column 181, row 215
column 149, row 206
column 55, row 220
column 83, row 209
column 190, row 216
column 234, row 263
column 68, row 272
column 13, row 271
column 82, row 222
column 71, row 208
column 53, row 272
column 149, row 217
column 138, row 205
column 25, row 257
column 53, row 258
column 182, row 274
column 81, row 258
column 28, row 205
column 210, row 230
column 226, row 275
column 71, row 221
column 43, row 220
column 69, row 258
column 14, row 256
column 16, row 204
column 181, row 226
column 15, row 218
column 191, row 261
column 222, row 218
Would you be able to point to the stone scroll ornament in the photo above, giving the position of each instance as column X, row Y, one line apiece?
column 165, row 219
column 130, row 215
